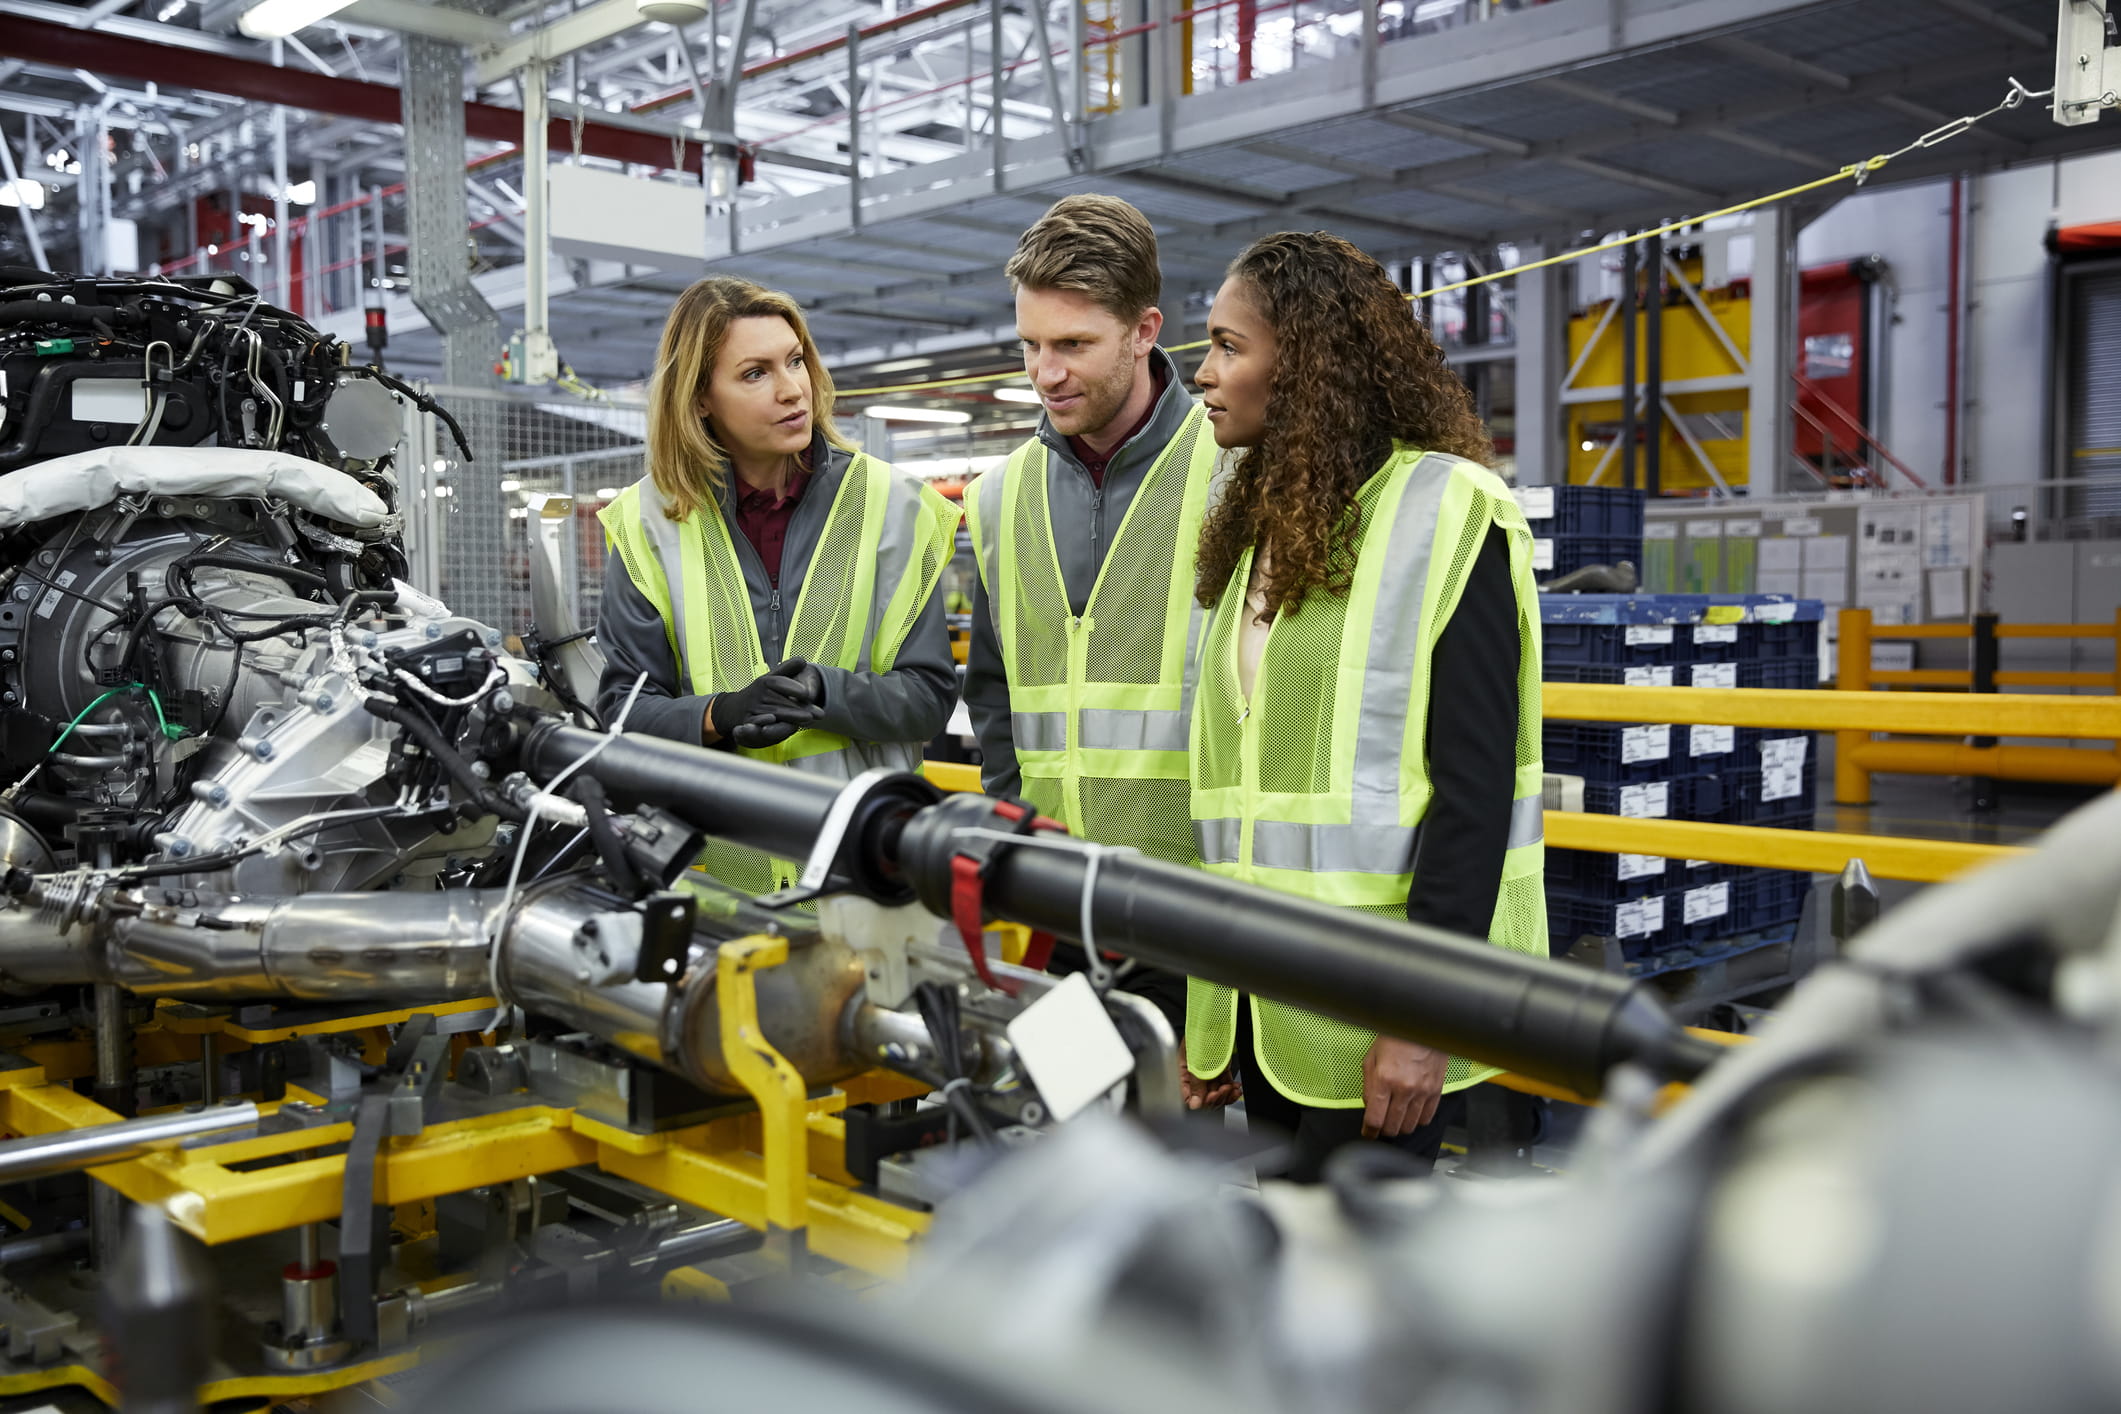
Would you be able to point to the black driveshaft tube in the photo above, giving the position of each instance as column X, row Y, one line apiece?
column 730, row 797
column 1552, row 1021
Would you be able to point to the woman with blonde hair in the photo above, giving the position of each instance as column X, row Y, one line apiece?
column 776, row 586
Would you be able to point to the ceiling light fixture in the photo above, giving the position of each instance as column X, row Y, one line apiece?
column 277, row 19
column 1017, row 395
column 891, row 414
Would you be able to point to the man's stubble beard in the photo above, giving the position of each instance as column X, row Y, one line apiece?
column 1107, row 399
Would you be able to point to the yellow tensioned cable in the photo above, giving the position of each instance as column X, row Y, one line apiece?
column 1855, row 172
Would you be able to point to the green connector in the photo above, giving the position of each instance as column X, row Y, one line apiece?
column 45, row 348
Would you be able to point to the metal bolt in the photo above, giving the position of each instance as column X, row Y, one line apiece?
column 10, row 697
column 7, row 655
column 504, row 701
column 47, row 557
column 325, row 703
column 22, row 593
column 493, row 638
column 263, row 751
column 431, row 629
column 217, row 794
column 481, row 770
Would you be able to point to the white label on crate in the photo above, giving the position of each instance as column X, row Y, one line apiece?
column 1695, row 863
column 1641, row 866
column 1715, row 633
column 1640, row 634
column 1743, row 529
column 1650, row 801
column 1704, row 530
column 1537, row 502
column 1782, row 767
column 1802, row 525
column 1708, row 901
column 1640, row 918
column 1780, row 612
column 1542, row 554
column 1646, row 677
column 1661, row 530
column 1711, row 741
column 1715, row 675
column 1645, row 744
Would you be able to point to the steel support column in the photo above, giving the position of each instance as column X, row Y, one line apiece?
column 1768, row 397
column 1542, row 311
column 474, row 550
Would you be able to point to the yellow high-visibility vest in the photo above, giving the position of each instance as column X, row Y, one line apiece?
column 887, row 538
column 1318, row 784
column 1097, row 701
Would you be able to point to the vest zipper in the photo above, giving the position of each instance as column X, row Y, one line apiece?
column 773, row 613
column 1097, row 527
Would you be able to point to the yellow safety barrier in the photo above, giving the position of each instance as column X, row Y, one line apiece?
column 1857, row 753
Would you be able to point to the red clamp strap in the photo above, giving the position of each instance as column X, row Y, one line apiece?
column 968, row 874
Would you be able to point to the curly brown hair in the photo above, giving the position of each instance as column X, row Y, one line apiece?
column 1354, row 372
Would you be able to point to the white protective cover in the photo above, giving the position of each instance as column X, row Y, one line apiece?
column 89, row 480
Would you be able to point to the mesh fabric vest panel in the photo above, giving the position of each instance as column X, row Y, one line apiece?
column 1319, row 784
column 1098, row 702
column 877, row 563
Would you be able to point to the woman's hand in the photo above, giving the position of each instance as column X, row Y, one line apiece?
column 1402, row 1083
column 1212, row 1093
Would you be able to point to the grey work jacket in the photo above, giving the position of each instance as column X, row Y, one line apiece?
column 909, row 703
column 1085, row 518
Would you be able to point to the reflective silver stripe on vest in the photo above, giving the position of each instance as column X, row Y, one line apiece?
column 666, row 536
column 1218, row 841
column 1395, row 643
column 992, row 505
column 1334, row 849
column 1039, row 731
column 1117, row 729
column 1528, row 821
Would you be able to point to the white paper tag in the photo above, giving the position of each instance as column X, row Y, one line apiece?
column 1537, row 502
column 1711, row 741
column 1640, row 918
column 1715, row 675
column 1645, row 744
column 1695, row 863
column 1704, row 530
column 1640, row 634
column 1715, row 633
column 1661, row 530
column 1648, row 801
column 1780, row 612
column 1708, row 901
column 1071, row 1047
column 1782, row 767
column 1802, row 525
column 1743, row 529
column 51, row 598
column 1641, row 866
column 1646, row 677
column 1542, row 554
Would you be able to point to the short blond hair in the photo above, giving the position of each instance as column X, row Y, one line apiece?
column 685, row 461
column 1098, row 246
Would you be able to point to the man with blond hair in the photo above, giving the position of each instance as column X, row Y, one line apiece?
column 1083, row 617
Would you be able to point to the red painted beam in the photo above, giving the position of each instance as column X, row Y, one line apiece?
column 119, row 56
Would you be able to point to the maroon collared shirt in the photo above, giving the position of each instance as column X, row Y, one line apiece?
column 764, row 517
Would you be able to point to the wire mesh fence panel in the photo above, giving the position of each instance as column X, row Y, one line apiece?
column 469, row 523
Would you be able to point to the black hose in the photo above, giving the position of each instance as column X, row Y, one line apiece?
column 83, row 316
column 606, row 839
column 938, row 1006
column 429, row 738
column 290, row 574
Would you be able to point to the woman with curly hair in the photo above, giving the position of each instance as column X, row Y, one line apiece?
column 1366, row 725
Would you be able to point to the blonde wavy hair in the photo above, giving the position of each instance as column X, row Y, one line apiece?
column 686, row 462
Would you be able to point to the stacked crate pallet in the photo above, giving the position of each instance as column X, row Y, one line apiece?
column 1574, row 526
column 1671, row 913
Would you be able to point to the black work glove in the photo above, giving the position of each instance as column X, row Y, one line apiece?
column 770, row 709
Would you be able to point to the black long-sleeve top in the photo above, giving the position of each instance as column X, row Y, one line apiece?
column 1472, row 742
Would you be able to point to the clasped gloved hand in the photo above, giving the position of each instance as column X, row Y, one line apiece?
column 770, row 709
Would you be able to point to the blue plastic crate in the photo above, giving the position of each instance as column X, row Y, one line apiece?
column 1573, row 552
column 1779, row 672
column 1768, row 898
column 1625, row 645
column 1636, row 924
column 1766, row 762
column 1695, row 796
column 1799, row 640
column 1611, row 751
column 1593, row 876
column 1583, row 510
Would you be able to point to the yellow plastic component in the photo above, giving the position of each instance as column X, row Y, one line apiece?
column 764, row 1072
column 952, row 775
column 693, row 1285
